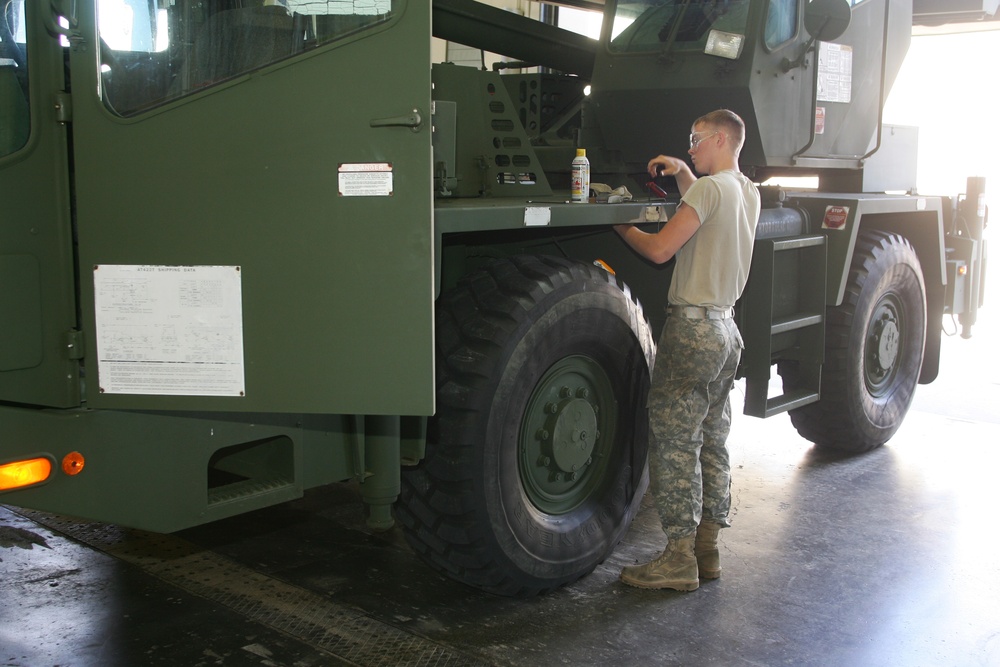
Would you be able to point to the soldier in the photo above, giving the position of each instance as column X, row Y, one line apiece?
column 711, row 234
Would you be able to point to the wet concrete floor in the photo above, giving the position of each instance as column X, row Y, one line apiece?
column 888, row 558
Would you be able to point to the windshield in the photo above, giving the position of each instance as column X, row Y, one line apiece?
column 13, row 78
column 157, row 50
column 651, row 25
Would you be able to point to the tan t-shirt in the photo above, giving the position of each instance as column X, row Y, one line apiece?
column 712, row 267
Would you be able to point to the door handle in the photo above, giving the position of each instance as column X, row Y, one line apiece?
column 412, row 120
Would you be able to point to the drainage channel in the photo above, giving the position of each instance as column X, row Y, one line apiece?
column 306, row 616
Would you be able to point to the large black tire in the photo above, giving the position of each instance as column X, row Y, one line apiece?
column 874, row 349
column 536, row 458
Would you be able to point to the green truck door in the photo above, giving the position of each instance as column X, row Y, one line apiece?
column 37, row 286
column 254, row 195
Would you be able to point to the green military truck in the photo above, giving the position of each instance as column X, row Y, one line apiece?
column 249, row 249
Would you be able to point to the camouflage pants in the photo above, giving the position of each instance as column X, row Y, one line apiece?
column 690, row 416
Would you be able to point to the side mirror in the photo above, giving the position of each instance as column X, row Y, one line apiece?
column 826, row 20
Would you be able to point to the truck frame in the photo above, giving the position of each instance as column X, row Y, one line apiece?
column 253, row 248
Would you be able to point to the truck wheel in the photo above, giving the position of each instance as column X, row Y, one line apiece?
column 536, row 458
column 874, row 349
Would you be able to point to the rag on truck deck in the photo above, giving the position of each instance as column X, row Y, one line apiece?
column 251, row 248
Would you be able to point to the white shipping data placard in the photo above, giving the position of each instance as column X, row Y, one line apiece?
column 169, row 330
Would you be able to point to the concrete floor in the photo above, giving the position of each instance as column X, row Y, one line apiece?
column 884, row 559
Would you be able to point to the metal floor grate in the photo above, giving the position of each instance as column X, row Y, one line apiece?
column 294, row 611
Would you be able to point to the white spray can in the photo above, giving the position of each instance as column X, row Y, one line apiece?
column 581, row 177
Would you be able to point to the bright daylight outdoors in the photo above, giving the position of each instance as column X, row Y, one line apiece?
column 944, row 89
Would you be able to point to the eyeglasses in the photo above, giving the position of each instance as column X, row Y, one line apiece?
column 695, row 141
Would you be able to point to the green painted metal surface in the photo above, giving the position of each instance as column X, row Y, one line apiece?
column 37, row 307
column 245, row 174
column 168, row 471
column 275, row 223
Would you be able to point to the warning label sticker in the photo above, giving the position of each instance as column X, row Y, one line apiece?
column 365, row 179
column 836, row 217
column 834, row 73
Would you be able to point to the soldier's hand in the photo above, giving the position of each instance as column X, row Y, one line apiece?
column 664, row 165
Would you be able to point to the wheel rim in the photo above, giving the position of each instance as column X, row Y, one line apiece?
column 566, row 435
column 883, row 344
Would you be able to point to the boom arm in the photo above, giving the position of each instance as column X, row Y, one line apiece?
column 482, row 26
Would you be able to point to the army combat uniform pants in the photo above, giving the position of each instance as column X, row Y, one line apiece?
column 690, row 417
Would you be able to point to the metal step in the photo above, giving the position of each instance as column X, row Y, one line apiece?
column 785, row 402
column 249, row 488
column 782, row 318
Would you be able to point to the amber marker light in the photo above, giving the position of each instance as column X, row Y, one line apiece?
column 16, row 474
column 72, row 463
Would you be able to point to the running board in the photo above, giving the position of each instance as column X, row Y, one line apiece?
column 782, row 318
column 251, row 475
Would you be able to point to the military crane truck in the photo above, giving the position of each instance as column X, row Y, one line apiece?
column 251, row 248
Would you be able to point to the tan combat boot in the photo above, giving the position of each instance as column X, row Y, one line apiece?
column 706, row 550
column 676, row 568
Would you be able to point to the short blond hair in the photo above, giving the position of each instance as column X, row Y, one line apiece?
column 730, row 123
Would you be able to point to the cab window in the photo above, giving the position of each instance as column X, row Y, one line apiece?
column 781, row 23
column 14, row 117
column 154, row 51
column 653, row 25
